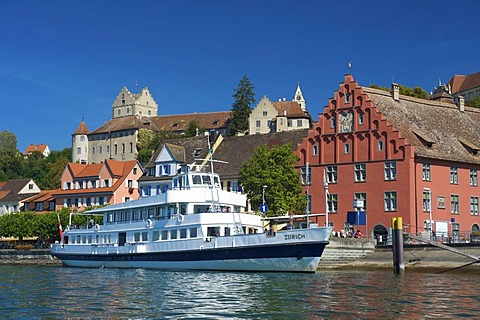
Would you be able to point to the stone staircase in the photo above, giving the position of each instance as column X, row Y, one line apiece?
column 340, row 252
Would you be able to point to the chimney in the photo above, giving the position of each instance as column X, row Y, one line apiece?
column 461, row 103
column 395, row 91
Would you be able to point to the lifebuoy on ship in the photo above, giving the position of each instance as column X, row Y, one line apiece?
column 97, row 226
column 180, row 218
column 149, row 223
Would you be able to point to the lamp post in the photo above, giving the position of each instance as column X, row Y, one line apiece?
column 263, row 194
column 430, row 211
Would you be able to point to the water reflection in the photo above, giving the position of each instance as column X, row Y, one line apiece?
column 53, row 292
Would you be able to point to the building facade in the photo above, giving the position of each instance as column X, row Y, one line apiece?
column 133, row 113
column 400, row 156
column 466, row 86
column 86, row 185
column 283, row 115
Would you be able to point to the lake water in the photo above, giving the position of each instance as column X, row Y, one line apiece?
column 34, row 292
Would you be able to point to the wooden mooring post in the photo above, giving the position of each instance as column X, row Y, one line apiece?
column 397, row 240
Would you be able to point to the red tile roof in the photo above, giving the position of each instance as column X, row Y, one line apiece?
column 460, row 83
column 35, row 148
column 290, row 109
column 82, row 128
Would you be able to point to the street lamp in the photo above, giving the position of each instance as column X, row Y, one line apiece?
column 430, row 210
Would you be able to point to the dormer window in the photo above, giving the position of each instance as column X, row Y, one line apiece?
column 471, row 148
column 175, row 125
column 197, row 151
column 215, row 123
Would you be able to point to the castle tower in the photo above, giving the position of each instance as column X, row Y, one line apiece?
column 80, row 144
column 300, row 98
column 138, row 104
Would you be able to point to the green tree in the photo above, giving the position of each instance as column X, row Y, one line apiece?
column 474, row 103
column 416, row 91
column 274, row 168
column 11, row 161
column 241, row 108
column 193, row 128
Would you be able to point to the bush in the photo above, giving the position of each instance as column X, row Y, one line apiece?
column 24, row 247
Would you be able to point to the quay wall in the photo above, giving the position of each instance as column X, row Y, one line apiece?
column 34, row 256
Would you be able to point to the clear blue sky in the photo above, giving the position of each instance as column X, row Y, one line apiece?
column 64, row 60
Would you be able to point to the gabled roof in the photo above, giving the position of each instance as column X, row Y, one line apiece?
column 126, row 123
column 9, row 191
column 189, row 145
column 460, row 83
column 237, row 150
column 180, row 122
column 441, row 124
column 290, row 109
column 118, row 169
column 43, row 196
column 178, row 152
column 35, row 148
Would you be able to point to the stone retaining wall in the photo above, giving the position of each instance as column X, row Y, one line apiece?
column 34, row 256
column 341, row 251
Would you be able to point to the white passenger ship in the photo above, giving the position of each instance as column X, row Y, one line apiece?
column 193, row 225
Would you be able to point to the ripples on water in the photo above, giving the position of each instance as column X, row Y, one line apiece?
column 75, row 293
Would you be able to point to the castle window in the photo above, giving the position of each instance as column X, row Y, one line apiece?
column 123, row 147
column 361, row 118
column 289, row 122
column 453, row 175
column 360, row 172
column 474, row 177
column 454, row 203
column 115, row 149
column 100, row 149
column 131, row 147
column 119, row 112
column 390, row 200
column 149, row 112
column 264, row 113
column 258, row 123
column 82, row 138
column 299, row 123
column 426, row 175
column 390, row 170
column 380, row 145
column 93, row 150
column 79, row 150
column 128, row 110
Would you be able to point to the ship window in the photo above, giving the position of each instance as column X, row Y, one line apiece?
column 145, row 236
column 213, row 231
column 206, row 180
column 164, row 235
column 193, row 232
column 227, row 231
column 79, row 240
column 183, row 233
column 197, row 180
column 136, row 236
column 173, row 234
column 155, row 236
column 90, row 239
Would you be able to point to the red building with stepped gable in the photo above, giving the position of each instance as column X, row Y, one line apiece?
column 403, row 156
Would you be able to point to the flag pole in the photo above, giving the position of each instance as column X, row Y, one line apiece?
column 325, row 187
